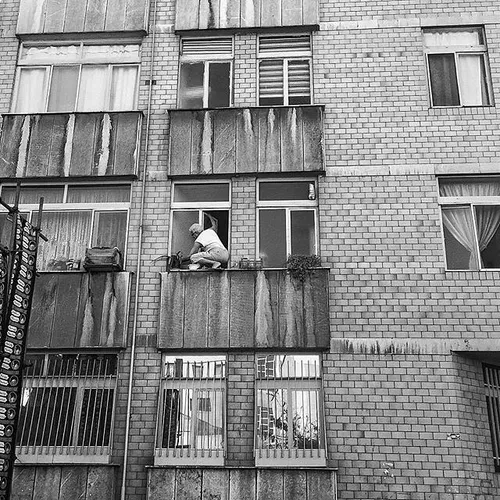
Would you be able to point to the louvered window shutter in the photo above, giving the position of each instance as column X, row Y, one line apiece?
column 271, row 82
column 206, row 48
column 299, row 91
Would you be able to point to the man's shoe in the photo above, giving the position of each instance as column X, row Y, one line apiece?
column 216, row 265
column 193, row 267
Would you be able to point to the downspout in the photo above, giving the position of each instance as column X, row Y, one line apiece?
column 139, row 254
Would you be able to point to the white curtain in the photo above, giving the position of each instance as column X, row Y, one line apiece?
column 123, row 88
column 31, row 90
column 92, row 91
column 472, row 80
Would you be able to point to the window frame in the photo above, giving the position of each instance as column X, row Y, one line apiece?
column 190, row 455
column 207, row 60
column 96, row 209
column 457, row 51
column 71, row 453
column 469, row 202
column 79, row 61
column 491, row 384
column 289, row 206
column 283, row 457
column 200, row 207
column 293, row 55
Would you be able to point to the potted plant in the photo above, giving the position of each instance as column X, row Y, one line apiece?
column 299, row 266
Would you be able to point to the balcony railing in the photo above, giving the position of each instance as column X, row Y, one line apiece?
column 203, row 14
column 246, row 140
column 73, row 16
column 73, row 310
column 244, row 309
column 69, row 144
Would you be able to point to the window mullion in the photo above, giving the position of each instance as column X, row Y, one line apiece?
column 288, row 231
column 459, row 83
column 77, row 97
column 206, row 75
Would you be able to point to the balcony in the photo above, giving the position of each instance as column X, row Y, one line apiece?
column 242, row 482
column 74, row 16
column 243, row 309
column 215, row 14
column 73, row 310
column 69, row 144
column 246, row 140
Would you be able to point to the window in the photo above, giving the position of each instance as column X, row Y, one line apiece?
column 284, row 70
column 191, row 423
column 289, row 420
column 205, row 72
column 191, row 203
column 67, row 407
column 75, row 217
column 470, row 211
column 491, row 376
column 287, row 220
column 457, row 66
column 79, row 76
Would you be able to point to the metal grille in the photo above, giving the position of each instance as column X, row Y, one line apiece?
column 67, row 407
column 492, row 386
column 289, row 424
column 204, row 48
column 192, row 411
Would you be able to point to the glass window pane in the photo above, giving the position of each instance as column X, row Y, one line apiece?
column 115, row 52
column 450, row 38
column 443, row 78
column 305, row 418
column 98, row 194
column 472, row 74
column 181, row 239
column 299, row 91
column 31, row 89
column 94, row 427
column 191, row 85
column 219, row 83
column 63, row 85
column 111, row 230
column 68, row 236
column 303, row 232
column 275, row 191
column 92, row 91
column 488, row 233
column 31, row 195
column 222, row 219
column 272, row 237
column 52, row 54
column 123, row 88
column 459, row 238
column 199, row 193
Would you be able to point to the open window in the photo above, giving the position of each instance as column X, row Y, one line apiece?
column 457, row 66
column 191, row 203
column 191, row 420
column 470, row 209
column 205, row 75
column 287, row 219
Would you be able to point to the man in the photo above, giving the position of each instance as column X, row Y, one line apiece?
column 208, row 249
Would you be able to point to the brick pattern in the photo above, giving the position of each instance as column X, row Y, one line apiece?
column 8, row 49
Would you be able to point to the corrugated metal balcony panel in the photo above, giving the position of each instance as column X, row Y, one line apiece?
column 79, row 310
column 215, row 14
column 243, row 309
column 246, row 140
column 76, row 16
column 70, row 144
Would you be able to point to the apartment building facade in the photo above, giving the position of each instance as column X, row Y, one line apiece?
column 366, row 133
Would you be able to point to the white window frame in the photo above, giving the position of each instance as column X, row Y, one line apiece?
column 283, row 457
column 94, row 207
column 199, row 207
column 293, row 55
column 458, row 50
column 72, row 453
column 211, row 384
column 289, row 206
column 207, row 59
column 48, row 64
column 469, row 202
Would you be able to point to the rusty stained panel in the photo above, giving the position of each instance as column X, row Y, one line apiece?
column 73, row 16
column 79, row 310
column 65, row 145
column 243, row 309
column 215, row 14
column 246, row 140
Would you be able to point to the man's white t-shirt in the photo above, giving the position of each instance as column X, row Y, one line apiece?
column 209, row 240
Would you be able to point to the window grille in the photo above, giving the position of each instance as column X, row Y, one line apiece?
column 289, row 418
column 191, row 423
column 67, row 408
column 492, row 386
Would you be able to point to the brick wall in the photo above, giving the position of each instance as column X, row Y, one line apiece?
column 8, row 48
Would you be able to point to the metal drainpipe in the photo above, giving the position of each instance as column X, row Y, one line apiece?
column 139, row 253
